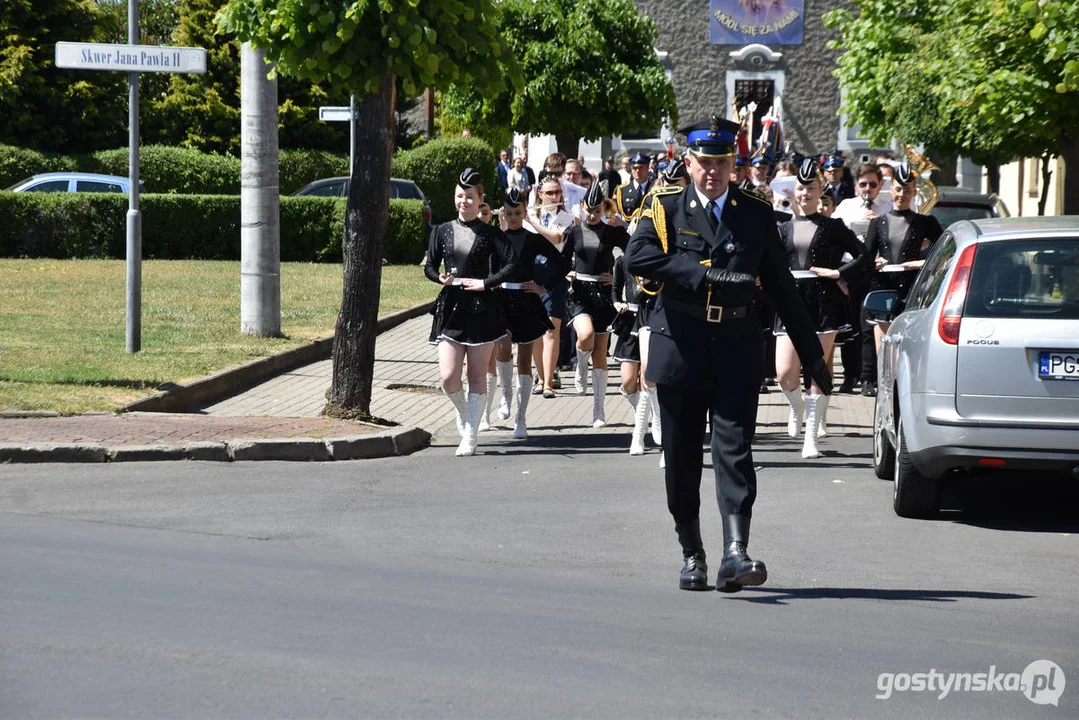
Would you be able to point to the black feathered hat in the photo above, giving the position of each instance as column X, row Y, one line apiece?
column 675, row 171
column 595, row 196
column 904, row 175
column 514, row 198
column 469, row 178
column 808, row 171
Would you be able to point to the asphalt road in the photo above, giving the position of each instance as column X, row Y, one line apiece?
column 535, row 580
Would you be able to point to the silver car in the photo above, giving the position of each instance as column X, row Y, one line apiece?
column 73, row 182
column 980, row 367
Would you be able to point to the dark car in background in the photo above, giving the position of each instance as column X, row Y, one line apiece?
column 956, row 203
column 399, row 190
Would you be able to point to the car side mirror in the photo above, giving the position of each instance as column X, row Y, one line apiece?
column 882, row 306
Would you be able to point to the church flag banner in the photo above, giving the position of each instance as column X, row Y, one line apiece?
column 769, row 22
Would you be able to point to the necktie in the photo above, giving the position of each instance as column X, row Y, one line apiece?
column 713, row 222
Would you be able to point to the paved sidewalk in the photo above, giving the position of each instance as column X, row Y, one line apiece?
column 406, row 391
column 280, row 418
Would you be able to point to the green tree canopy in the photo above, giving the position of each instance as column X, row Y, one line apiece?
column 971, row 77
column 47, row 108
column 364, row 47
column 590, row 70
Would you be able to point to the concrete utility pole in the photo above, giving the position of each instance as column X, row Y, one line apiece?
column 260, row 217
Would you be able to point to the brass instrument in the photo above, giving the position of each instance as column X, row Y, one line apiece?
column 921, row 166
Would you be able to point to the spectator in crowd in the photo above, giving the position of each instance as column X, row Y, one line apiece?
column 610, row 176
column 623, row 171
column 517, row 177
column 502, row 169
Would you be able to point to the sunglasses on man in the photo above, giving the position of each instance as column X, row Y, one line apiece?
column 867, row 184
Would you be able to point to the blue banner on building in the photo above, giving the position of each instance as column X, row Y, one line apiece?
column 769, row 22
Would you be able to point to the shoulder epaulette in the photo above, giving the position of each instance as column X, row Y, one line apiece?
column 756, row 195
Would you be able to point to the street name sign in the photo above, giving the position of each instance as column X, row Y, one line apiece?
column 335, row 113
column 130, row 58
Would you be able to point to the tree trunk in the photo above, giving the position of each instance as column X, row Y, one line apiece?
column 366, row 220
column 568, row 143
column 1046, row 175
column 992, row 171
column 1069, row 151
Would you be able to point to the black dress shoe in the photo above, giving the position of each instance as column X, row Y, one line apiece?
column 738, row 570
column 694, row 575
column 869, row 389
column 848, row 386
column 764, row 389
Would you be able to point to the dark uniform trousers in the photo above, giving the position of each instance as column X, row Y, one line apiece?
column 704, row 368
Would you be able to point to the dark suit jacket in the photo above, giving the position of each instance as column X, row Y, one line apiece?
column 628, row 199
column 747, row 241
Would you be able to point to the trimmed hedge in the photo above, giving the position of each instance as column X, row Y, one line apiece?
column 172, row 169
column 300, row 167
column 17, row 164
column 205, row 227
column 436, row 165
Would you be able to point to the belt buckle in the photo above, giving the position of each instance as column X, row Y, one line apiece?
column 714, row 313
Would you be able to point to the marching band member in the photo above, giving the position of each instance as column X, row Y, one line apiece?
column 897, row 242
column 526, row 316
column 468, row 319
column 708, row 244
column 589, row 305
column 815, row 244
column 550, row 220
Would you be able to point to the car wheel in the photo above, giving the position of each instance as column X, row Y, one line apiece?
column 883, row 452
column 913, row 494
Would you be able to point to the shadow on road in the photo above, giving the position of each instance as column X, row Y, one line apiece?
column 781, row 596
column 1021, row 502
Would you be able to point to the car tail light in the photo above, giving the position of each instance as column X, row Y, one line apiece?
column 951, row 313
column 992, row 462
column 427, row 215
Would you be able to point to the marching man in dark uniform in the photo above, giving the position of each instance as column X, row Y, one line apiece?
column 708, row 244
column 628, row 197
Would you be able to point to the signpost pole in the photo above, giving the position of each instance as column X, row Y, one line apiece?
column 134, row 216
column 351, row 134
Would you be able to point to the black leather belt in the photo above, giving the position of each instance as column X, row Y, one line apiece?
column 711, row 313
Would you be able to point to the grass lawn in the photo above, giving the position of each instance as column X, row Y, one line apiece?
column 62, row 325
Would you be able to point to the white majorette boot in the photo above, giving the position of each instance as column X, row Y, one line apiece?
column 506, row 381
column 477, row 404
column 492, row 386
column 460, row 405
column 599, row 394
column 524, row 392
column 813, row 408
column 794, row 420
column 640, row 424
column 822, row 429
column 631, row 398
column 657, row 427
column 580, row 375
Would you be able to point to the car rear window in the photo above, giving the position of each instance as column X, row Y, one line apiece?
column 1025, row 279
column 405, row 190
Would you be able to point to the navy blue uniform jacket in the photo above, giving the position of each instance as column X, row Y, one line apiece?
column 681, row 352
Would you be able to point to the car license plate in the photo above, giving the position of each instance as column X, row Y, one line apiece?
column 1058, row 365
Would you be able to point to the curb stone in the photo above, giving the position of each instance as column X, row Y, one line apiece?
column 52, row 453
column 310, row 449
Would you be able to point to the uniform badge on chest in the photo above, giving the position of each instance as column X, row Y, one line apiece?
column 729, row 246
